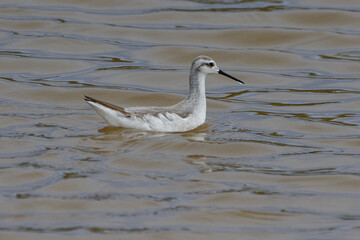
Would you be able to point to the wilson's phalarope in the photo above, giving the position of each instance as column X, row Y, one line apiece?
column 181, row 117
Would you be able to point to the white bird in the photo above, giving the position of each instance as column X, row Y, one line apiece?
column 181, row 117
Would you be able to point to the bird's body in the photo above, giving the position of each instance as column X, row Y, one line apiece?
column 181, row 117
column 176, row 118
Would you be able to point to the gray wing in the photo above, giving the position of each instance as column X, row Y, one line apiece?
column 108, row 105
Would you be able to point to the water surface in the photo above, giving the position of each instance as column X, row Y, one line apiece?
column 278, row 158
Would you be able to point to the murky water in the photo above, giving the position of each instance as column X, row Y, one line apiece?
column 278, row 158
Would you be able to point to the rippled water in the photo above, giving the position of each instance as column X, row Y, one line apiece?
column 277, row 158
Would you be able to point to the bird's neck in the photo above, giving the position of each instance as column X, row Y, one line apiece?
column 197, row 86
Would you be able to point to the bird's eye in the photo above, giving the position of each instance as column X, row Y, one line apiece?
column 211, row 64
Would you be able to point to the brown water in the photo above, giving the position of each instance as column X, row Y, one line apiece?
column 278, row 158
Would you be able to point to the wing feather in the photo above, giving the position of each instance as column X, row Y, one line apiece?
column 108, row 105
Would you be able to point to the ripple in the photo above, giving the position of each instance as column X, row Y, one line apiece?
column 278, row 155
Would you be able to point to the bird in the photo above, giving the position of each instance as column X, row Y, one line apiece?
column 184, row 116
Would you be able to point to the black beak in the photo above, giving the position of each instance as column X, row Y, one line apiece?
column 229, row 76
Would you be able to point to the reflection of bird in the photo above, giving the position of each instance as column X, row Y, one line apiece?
column 183, row 116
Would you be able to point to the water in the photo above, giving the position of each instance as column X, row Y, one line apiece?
column 278, row 158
